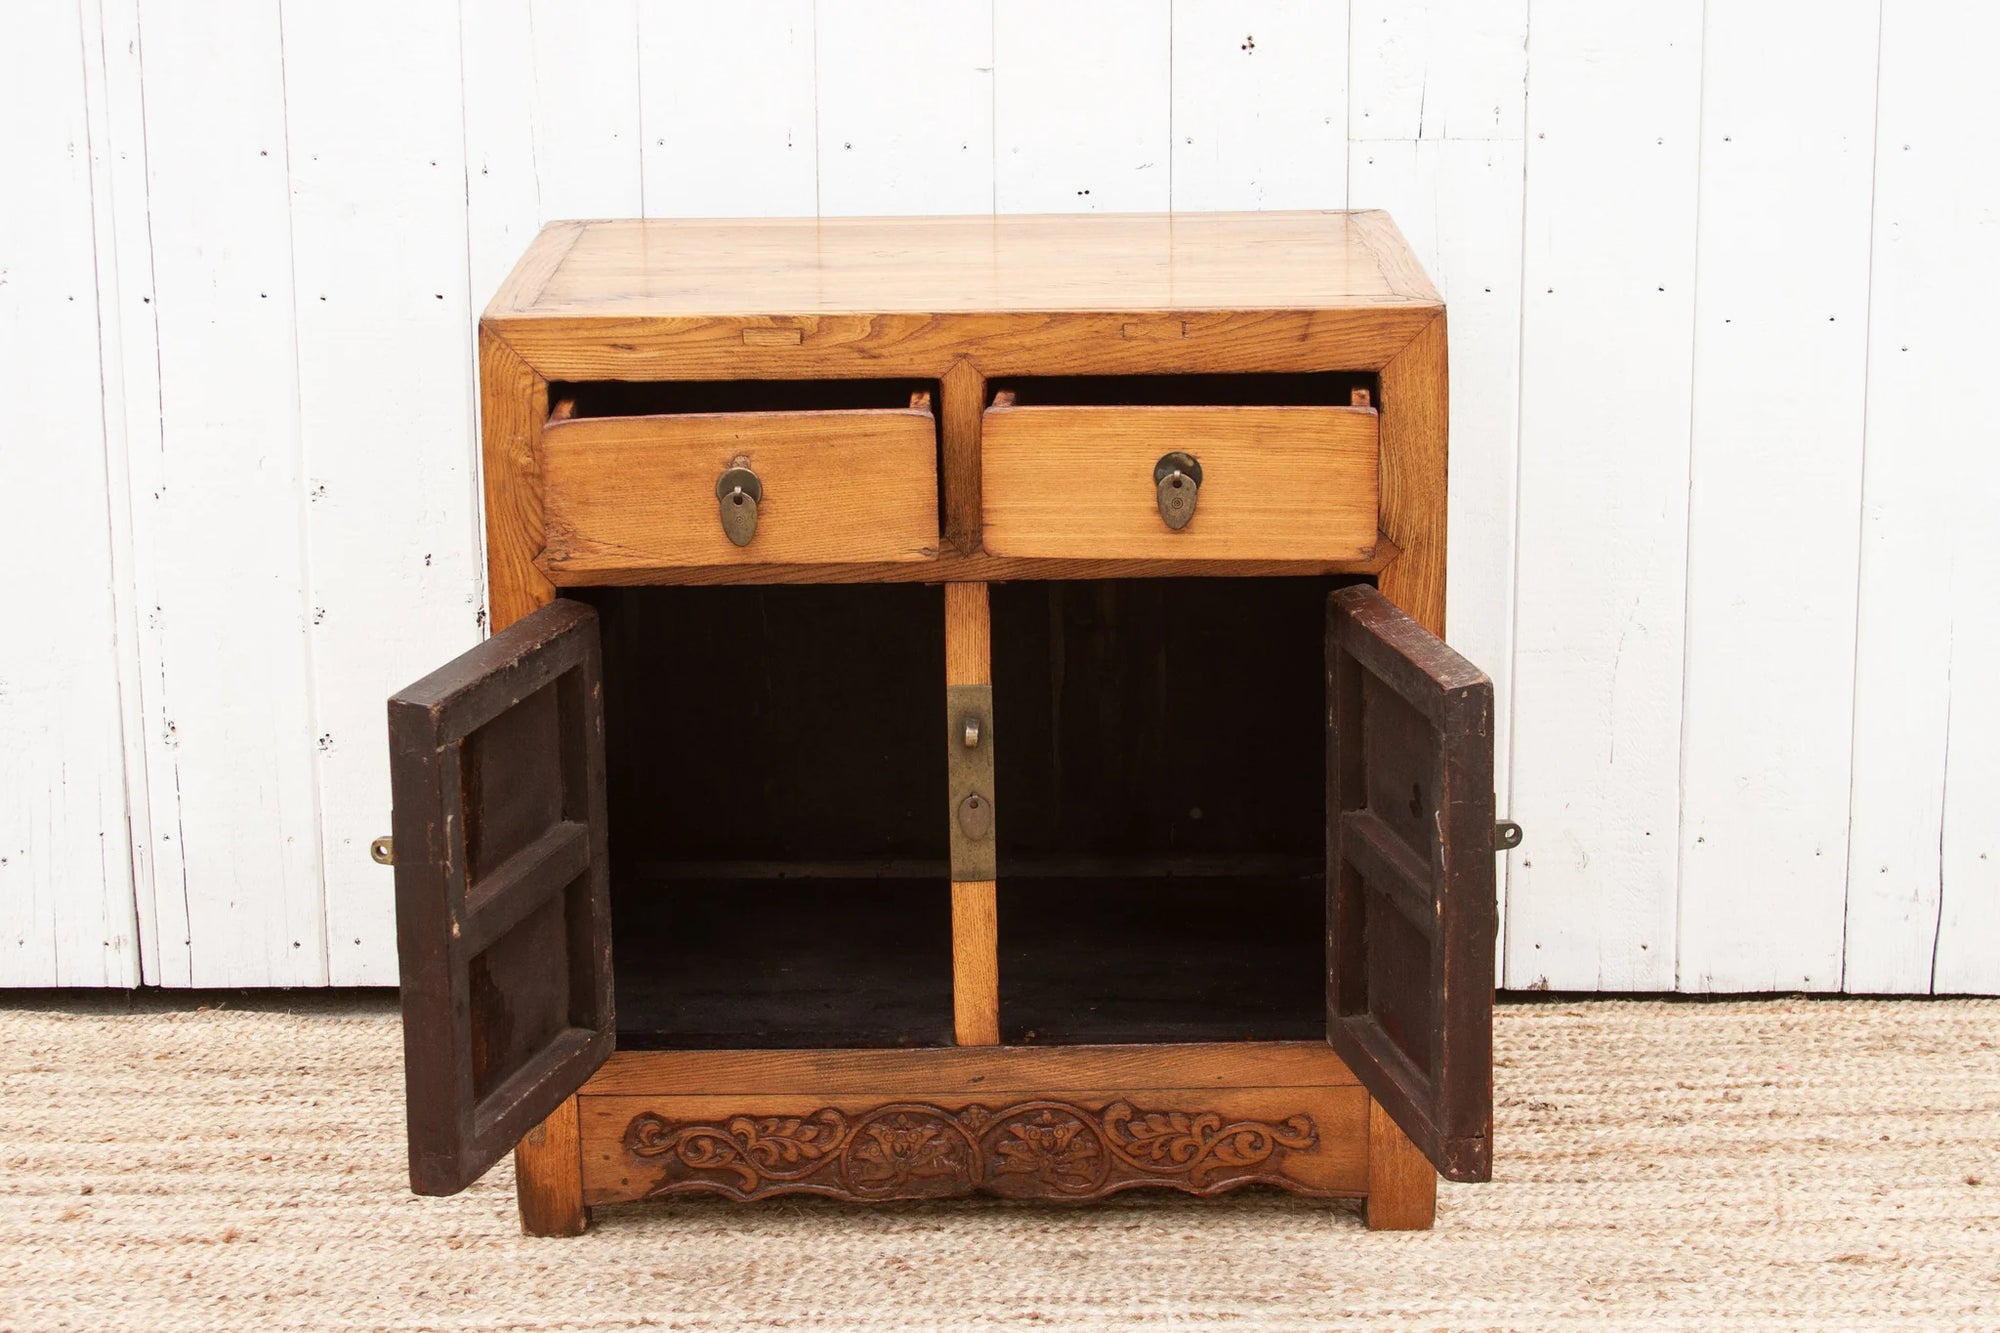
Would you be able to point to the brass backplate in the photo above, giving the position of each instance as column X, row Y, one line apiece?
column 969, row 769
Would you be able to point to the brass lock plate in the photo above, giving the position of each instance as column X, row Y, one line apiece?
column 969, row 779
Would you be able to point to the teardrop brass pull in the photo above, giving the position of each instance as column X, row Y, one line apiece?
column 1177, row 478
column 738, row 493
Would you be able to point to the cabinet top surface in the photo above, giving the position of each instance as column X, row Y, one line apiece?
column 1160, row 262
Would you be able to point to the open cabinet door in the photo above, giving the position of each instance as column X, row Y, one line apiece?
column 503, row 909
column 1409, row 876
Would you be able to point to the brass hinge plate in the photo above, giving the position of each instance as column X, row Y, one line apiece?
column 969, row 773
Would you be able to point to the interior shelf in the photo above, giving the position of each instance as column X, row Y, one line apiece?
column 766, row 963
column 1162, row 960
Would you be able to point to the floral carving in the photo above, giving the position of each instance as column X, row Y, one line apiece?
column 751, row 1149
column 1200, row 1145
column 907, row 1150
column 1053, row 1146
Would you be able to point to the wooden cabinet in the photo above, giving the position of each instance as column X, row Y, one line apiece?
column 966, row 713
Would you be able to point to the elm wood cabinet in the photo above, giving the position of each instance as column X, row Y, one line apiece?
column 966, row 713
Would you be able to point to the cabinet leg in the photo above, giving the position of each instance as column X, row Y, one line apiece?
column 548, row 1176
column 1402, row 1187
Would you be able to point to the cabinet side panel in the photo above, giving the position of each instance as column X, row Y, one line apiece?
column 1415, row 406
column 513, row 404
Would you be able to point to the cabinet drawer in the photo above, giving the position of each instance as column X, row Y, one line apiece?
column 838, row 486
column 1277, row 482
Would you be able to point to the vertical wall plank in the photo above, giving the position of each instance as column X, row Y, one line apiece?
column 1926, row 777
column 1968, row 961
column 1781, row 316
column 503, row 195
column 66, row 903
column 1607, row 330
column 1081, row 106
column 1259, row 104
column 1439, row 100
column 128, row 378
column 1440, row 70
column 377, row 148
column 905, row 107
column 726, row 116
column 585, row 95
column 129, row 366
column 1968, row 937
column 222, row 524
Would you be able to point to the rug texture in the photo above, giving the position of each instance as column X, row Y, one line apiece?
column 1760, row 1164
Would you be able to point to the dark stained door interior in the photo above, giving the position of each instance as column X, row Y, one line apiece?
column 503, row 919
column 1410, row 886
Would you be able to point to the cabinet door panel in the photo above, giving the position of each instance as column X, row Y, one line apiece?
column 503, row 921
column 1411, row 912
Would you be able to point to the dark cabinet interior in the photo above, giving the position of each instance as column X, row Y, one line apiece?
column 773, row 775
column 776, row 789
column 1162, row 847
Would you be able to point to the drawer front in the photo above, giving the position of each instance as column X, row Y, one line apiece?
column 633, row 493
column 1277, row 483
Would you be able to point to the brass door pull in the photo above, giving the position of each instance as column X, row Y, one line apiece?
column 1177, row 479
column 738, row 492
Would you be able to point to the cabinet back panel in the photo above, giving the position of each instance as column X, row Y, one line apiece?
column 785, row 723
column 1161, row 718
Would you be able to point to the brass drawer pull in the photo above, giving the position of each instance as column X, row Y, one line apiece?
column 738, row 492
column 1177, row 478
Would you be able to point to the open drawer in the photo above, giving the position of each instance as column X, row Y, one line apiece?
column 639, row 477
column 1251, row 467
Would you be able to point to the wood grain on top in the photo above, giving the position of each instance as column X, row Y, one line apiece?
column 1166, row 263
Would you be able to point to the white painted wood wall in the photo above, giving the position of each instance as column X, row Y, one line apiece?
column 1725, row 472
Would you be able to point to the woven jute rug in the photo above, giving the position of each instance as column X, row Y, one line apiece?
column 1758, row 1164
